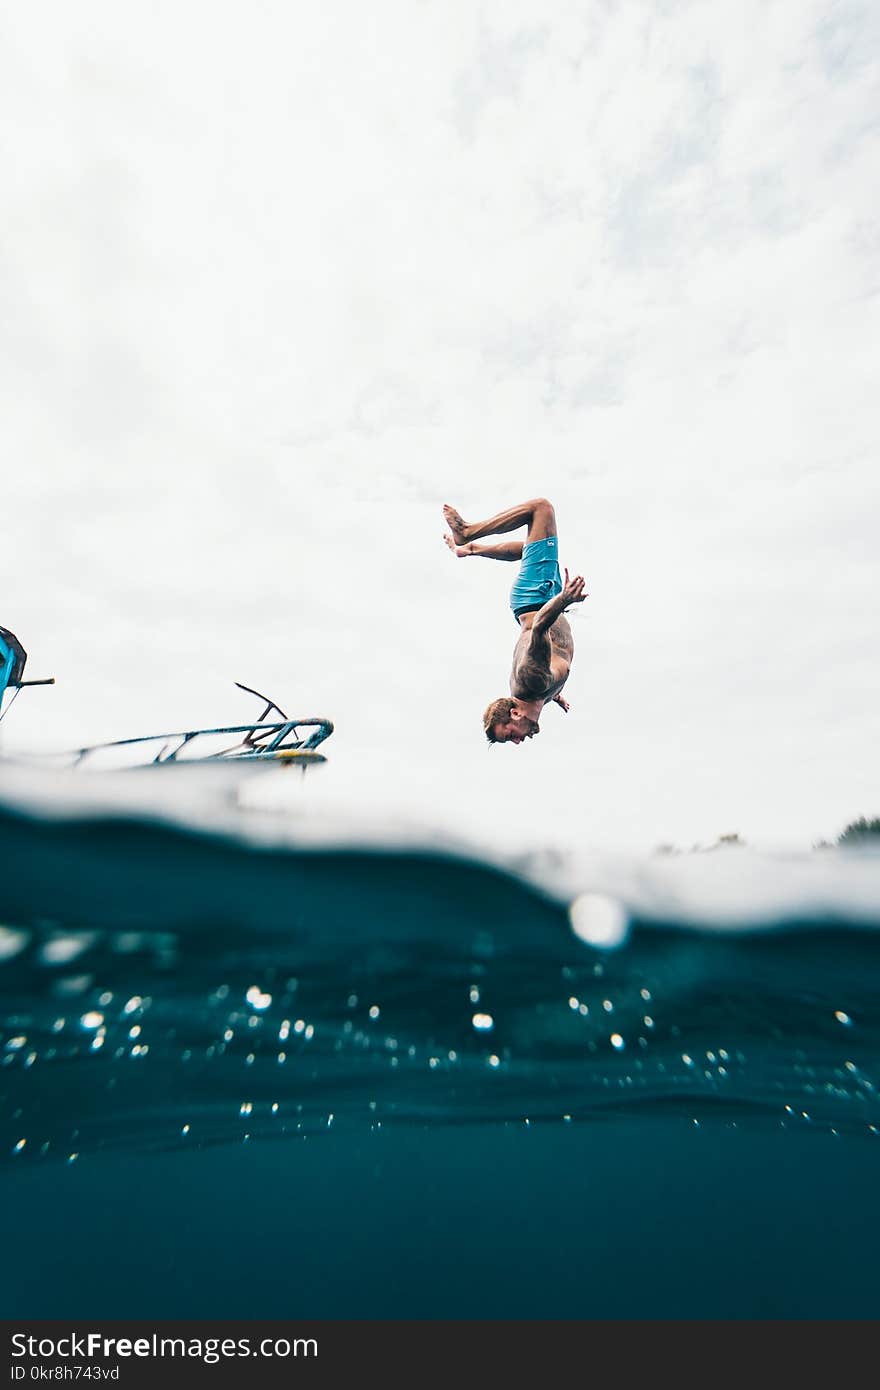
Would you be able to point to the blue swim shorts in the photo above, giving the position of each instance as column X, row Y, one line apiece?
column 539, row 578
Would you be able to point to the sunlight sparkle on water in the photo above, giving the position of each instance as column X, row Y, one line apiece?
column 257, row 999
column 11, row 942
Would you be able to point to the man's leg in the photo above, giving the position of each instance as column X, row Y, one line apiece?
column 507, row 550
column 538, row 515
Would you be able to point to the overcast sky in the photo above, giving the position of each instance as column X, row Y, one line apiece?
column 278, row 280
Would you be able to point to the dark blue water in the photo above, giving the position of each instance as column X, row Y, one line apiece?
column 243, row 1081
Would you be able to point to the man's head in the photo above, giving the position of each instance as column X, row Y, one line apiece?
column 505, row 721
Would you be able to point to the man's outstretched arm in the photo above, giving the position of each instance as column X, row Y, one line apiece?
column 572, row 592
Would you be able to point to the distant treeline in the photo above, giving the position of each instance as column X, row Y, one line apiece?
column 859, row 831
column 863, row 831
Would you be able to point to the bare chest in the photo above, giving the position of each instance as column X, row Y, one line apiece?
column 533, row 677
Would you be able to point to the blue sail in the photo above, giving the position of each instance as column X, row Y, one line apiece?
column 12, row 661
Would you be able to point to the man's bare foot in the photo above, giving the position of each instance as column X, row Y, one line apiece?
column 458, row 527
column 460, row 550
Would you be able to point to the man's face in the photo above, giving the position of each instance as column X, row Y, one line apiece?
column 515, row 729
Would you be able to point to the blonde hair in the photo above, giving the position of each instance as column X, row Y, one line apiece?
column 496, row 713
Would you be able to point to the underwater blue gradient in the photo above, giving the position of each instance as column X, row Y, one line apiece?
column 347, row 1082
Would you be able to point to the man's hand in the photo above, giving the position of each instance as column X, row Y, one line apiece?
column 563, row 704
column 573, row 590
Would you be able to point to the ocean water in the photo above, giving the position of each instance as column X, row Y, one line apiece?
column 265, row 1066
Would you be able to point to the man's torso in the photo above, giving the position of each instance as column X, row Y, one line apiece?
column 529, row 679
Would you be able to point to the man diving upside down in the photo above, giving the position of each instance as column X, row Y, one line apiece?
column 544, row 650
